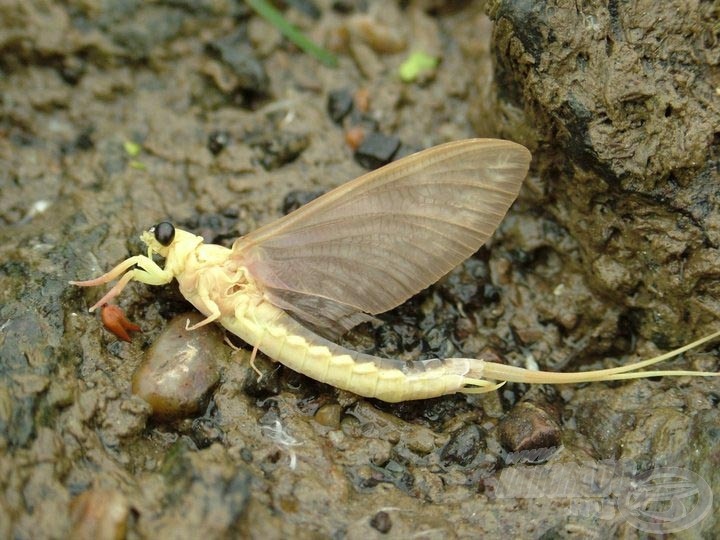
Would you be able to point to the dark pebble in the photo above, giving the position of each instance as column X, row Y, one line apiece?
column 376, row 150
column 521, row 256
column 528, row 427
column 437, row 342
column 267, row 385
column 83, row 142
column 491, row 293
column 282, row 148
column 339, row 104
column 72, row 70
column 234, row 52
column 297, row 198
column 389, row 340
column 205, row 431
column 463, row 446
column 217, row 141
column 345, row 6
column 381, row 522
column 460, row 288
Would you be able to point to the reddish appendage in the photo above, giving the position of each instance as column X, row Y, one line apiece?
column 115, row 321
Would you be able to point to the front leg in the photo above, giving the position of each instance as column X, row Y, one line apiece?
column 149, row 272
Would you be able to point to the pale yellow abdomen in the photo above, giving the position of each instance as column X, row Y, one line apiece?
column 283, row 339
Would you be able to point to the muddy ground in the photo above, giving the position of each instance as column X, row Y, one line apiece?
column 117, row 116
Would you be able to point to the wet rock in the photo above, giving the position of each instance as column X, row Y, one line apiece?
column 99, row 514
column 180, row 368
column 339, row 104
column 139, row 40
column 528, row 427
column 123, row 418
column 381, row 522
column 376, row 150
column 463, row 446
column 636, row 136
column 207, row 494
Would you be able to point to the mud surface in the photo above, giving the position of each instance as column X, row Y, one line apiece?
column 117, row 116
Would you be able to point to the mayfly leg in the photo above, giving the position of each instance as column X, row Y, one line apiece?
column 149, row 273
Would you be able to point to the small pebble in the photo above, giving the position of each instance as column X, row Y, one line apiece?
column 72, row 69
column 463, row 446
column 339, row 104
column 491, row 293
column 205, row 431
column 381, row 522
column 528, row 427
column 235, row 53
column 280, row 148
column 329, row 415
column 362, row 100
column 84, row 140
column 343, row 6
column 217, row 141
column 382, row 37
column 376, row 150
column 354, row 137
column 99, row 514
column 267, row 385
column 180, row 369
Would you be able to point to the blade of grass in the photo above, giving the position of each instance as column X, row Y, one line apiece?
column 274, row 17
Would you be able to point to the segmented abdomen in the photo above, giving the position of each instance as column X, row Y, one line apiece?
column 283, row 339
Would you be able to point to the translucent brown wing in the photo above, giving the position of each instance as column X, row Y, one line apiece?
column 368, row 245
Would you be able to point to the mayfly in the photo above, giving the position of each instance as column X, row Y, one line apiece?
column 357, row 251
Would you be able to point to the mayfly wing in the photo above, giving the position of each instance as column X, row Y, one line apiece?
column 370, row 244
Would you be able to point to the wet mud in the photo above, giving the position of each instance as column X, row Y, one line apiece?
column 117, row 116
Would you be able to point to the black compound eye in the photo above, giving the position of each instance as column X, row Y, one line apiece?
column 164, row 233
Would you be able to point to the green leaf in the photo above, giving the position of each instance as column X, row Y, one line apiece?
column 416, row 64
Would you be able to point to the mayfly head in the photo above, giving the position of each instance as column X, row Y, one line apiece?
column 169, row 242
column 159, row 238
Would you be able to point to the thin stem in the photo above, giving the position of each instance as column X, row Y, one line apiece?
column 274, row 17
